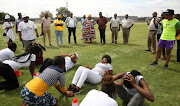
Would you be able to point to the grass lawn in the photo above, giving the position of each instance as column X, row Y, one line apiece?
column 165, row 84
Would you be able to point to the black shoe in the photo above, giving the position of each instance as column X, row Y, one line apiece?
column 154, row 64
column 147, row 50
column 165, row 67
column 75, row 91
column 70, row 88
column 177, row 61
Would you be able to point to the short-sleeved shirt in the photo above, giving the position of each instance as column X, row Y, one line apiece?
column 6, row 54
column 46, row 22
column 18, row 21
column 68, row 63
column 49, row 77
column 98, row 98
column 115, row 22
column 152, row 25
column 17, row 65
column 59, row 28
column 101, row 67
column 27, row 30
column 169, row 29
column 126, row 23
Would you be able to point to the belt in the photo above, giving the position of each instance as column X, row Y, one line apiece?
column 114, row 27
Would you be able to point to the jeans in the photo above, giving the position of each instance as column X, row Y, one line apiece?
column 178, row 50
column 74, row 34
column 59, row 33
column 102, row 35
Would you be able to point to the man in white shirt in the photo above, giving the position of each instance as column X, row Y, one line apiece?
column 8, row 53
column 71, row 23
column 126, row 26
column 103, row 97
column 115, row 27
column 26, row 31
column 153, row 26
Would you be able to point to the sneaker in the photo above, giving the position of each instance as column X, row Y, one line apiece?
column 70, row 88
column 75, row 91
column 165, row 67
column 147, row 50
column 154, row 64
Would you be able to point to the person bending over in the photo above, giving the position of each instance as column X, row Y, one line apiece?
column 93, row 76
column 35, row 91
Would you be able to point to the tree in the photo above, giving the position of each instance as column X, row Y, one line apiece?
column 2, row 17
column 64, row 12
column 44, row 12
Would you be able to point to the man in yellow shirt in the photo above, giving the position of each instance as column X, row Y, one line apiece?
column 59, row 29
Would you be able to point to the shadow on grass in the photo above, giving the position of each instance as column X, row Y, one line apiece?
column 64, row 101
column 58, row 47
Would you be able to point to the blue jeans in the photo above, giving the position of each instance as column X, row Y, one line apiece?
column 59, row 33
column 178, row 50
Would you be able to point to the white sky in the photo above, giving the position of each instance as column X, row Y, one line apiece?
column 139, row 8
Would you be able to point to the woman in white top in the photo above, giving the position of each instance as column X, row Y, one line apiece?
column 93, row 76
column 8, row 29
column 136, row 88
column 8, row 67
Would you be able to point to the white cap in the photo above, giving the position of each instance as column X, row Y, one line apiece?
column 7, row 16
column 25, row 15
column 77, row 56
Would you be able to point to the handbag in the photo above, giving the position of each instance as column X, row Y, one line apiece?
column 4, row 34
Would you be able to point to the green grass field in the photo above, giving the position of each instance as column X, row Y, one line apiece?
column 165, row 84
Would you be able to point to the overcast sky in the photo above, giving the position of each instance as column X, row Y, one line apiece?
column 138, row 8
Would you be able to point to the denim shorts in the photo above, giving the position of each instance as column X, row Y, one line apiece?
column 33, row 100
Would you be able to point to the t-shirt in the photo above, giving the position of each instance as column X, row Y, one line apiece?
column 18, row 21
column 27, row 30
column 126, row 23
column 101, row 67
column 50, row 76
column 6, row 54
column 68, row 63
column 169, row 29
column 16, row 65
column 152, row 25
column 98, row 98
column 46, row 22
column 115, row 22
column 59, row 28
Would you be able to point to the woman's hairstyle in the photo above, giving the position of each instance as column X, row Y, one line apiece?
column 12, row 45
column 107, row 57
column 58, row 61
column 33, row 50
column 47, row 62
column 134, row 73
column 109, row 89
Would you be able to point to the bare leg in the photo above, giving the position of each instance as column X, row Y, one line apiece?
column 158, row 53
column 168, row 51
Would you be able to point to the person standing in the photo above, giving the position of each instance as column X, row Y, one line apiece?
column 177, row 16
column 59, row 30
column 89, row 31
column 153, row 26
column 115, row 27
column 171, row 28
column 102, row 21
column 126, row 26
column 71, row 23
column 82, row 20
column 8, row 29
column 26, row 31
column 45, row 28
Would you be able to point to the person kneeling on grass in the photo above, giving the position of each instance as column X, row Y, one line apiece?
column 136, row 88
column 103, row 97
column 93, row 76
column 70, row 62
column 35, row 91
column 8, row 67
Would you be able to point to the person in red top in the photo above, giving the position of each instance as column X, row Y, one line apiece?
column 102, row 21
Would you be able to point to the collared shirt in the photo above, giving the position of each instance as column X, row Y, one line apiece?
column 102, row 21
column 115, row 22
column 126, row 23
column 46, row 22
column 152, row 25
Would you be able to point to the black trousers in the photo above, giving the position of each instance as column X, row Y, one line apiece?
column 102, row 35
column 74, row 34
column 158, row 37
column 178, row 50
column 8, row 74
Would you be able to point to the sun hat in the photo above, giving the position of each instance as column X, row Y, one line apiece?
column 7, row 16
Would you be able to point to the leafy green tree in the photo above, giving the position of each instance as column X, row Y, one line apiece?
column 2, row 17
column 44, row 12
column 64, row 12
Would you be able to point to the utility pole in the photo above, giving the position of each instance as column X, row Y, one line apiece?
column 66, row 3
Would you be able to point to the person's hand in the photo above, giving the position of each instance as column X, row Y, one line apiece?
column 88, row 66
column 70, row 55
column 131, row 79
column 33, row 42
column 105, row 72
column 20, row 39
column 69, row 93
column 129, row 28
column 119, row 29
column 16, row 31
column 37, row 35
column 111, row 29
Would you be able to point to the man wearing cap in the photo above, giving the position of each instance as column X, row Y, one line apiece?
column 171, row 28
column 45, row 28
column 153, row 26
column 26, row 30
column 115, row 27
column 71, row 23
column 126, row 26
column 59, row 30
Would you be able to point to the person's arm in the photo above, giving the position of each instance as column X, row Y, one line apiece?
column 144, row 90
column 97, row 21
column 132, row 23
column 31, row 67
column 120, row 83
column 42, row 25
column 36, row 33
column 118, row 76
column 177, row 28
column 66, row 93
column 110, row 27
column 66, row 22
column 106, row 20
column 73, row 59
column 110, row 72
column 20, row 38
column 89, row 67
column 64, row 55
column 16, row 28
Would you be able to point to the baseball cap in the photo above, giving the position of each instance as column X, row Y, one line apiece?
column 25, row 15
column 7, row 16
